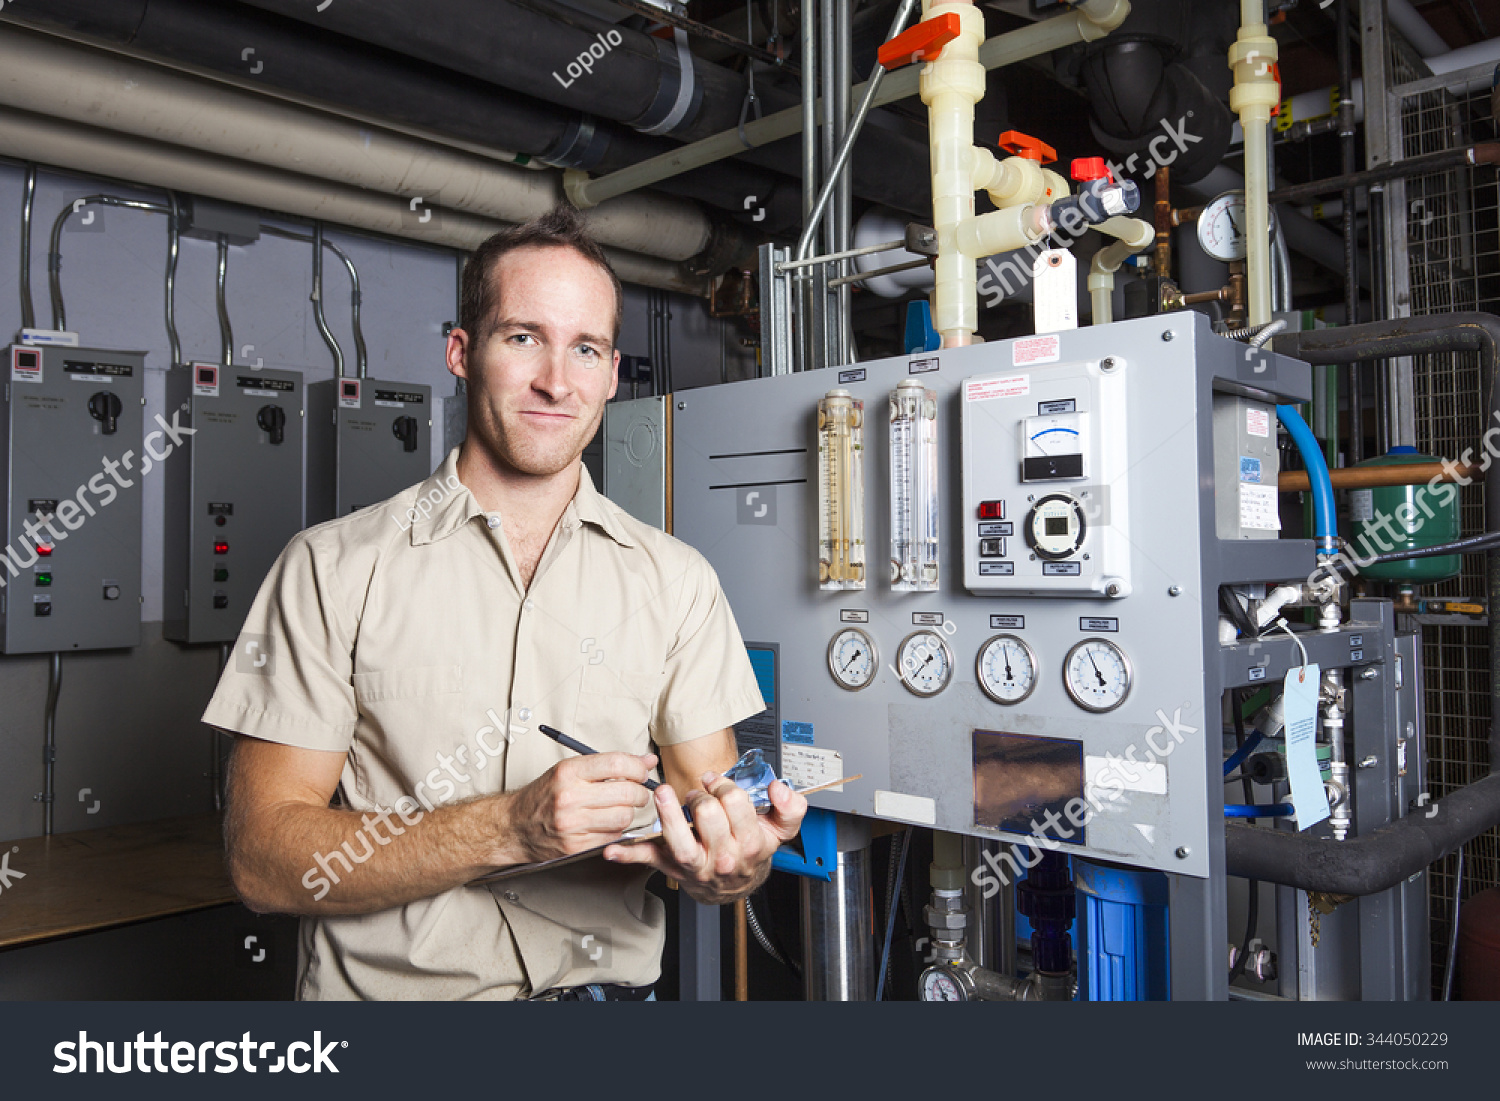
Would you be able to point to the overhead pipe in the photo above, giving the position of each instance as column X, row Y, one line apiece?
column 1373, row 862
column 341, row 76
column 54, row 252
column 1428, row 335
column 1469, row 156
column 1087, row 22
column 103, row 153
column 108, row 91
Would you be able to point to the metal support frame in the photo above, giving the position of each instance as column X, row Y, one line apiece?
column 699, row 960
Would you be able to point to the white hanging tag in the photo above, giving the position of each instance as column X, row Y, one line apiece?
column 1054, row 285
column 1300, row 697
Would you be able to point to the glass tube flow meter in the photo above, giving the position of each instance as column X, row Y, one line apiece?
column 914, row 488
column 841, row 491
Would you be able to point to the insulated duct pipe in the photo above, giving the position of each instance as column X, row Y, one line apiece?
column 1427, row 335
column 344, row 77
column 1373, row 862
column 25, row 136
column 43, row 75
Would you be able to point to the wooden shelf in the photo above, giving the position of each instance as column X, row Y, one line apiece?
column 98, row 879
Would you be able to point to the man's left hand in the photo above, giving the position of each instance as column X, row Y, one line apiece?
column 730, row 853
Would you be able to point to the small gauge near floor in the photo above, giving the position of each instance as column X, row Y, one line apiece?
column 925, row 662
column 1006, row 668
column 853, row 659
column 939, row 984
column 1097, row 675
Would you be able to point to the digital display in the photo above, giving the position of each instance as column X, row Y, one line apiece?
column 1055, row 525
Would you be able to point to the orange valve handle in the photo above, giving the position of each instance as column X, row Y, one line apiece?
column 920, row 43
column 1023, row 145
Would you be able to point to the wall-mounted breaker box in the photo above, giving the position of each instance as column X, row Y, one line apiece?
column 234, row 499
column 367, row 440
column 75, row 459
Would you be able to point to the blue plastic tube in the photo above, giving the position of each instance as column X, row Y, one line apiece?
column 1273, row 810
column 1325, row 519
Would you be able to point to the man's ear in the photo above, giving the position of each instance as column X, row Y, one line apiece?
column 456, row 354
column 614, row 379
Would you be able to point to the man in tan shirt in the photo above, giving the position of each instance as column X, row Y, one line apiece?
column 404, row 656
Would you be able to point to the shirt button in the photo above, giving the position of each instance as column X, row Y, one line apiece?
column 524, row 714
column 511, row 896
column 492, row 521
column 530, row 604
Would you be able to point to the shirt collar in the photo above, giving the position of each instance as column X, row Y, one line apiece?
column 444, row 504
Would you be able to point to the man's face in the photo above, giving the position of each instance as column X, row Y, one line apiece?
column 539, row 380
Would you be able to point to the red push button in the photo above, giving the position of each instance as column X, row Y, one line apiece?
column 221, row 547
column 44, row 549
column 992, row 510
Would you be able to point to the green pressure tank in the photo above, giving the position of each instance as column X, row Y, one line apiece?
column 1392, row 518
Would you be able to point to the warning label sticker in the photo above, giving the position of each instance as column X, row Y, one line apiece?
column 1036, row 349
column 1258, row 422
column 985, row 389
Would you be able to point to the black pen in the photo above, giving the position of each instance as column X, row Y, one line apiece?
column 578, row 747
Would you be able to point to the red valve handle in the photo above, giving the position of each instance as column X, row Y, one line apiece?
column 1023, row 145
column 1091, row 168
column 920, row 43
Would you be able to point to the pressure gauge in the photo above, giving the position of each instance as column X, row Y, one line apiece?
column 1055, row 527
column 1222, row 227
column 926, row 663
column 939, row 984
column 1006, row 668
column 1097, row 675
column 853, row 659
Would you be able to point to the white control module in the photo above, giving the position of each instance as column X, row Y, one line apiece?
column 1046, row 506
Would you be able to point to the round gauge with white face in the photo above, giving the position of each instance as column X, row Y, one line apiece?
column 1221, row 227
column 853, row 659
column 925, row 662
column 1097, row 675
column 1006, row 669
column 941, row 985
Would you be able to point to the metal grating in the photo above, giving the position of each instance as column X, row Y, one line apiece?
column 1453, row 232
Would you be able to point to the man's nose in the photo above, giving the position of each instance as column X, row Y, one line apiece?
column 552, row 378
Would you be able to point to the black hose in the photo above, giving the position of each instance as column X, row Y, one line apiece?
column 1373, row 862
column 763, row 939
column 1236, row 611
column 1468, row 545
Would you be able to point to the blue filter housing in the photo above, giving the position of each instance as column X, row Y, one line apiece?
column 1123, row 950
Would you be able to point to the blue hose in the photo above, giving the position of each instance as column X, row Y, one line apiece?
column 1326, row 520
column 1274, row 810
column 1238, row 756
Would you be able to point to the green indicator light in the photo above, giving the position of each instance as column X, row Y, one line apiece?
column 44, row 579
column 221, row 574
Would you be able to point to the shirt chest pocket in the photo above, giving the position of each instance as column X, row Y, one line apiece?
column 616, row 708
column 412, row 704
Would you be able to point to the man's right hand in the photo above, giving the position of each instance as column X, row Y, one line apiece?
column 576, row 805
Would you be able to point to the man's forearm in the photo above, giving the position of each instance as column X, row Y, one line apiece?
column 299, row 859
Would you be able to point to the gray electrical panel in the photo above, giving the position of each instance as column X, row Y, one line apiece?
column 75, row 457
column 234, row 499
column 367, row 440
column 1068, row 656
column 635, row 458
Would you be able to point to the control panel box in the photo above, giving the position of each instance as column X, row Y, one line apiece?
column 1001, row 705
column 1045, row 451
column 234, row 499
column 76, row 455
column 367, row 440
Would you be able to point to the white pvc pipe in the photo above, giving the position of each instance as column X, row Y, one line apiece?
column 89, row 150
column 96, row 88
column 1254, row 93
column 1132, row 236
column 1415, row 29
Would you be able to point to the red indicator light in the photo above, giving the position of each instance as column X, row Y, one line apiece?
column 221, row 547
column 44, row 549
column 992, row 510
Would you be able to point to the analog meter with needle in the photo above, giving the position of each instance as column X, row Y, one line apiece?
column 925, row 662
column 853, row 659
column 1006, row 668
column 940, row 984
column 1221, row 227
column 1097, row 675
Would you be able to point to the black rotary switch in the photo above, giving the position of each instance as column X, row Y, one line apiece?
column 272, row 421
column 104, row 407
column 405, row 430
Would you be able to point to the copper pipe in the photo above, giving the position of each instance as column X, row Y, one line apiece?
column 1163, row 223
column 1220, row 295
column 1364, row 477
column 1187, row 216
column 741, row 953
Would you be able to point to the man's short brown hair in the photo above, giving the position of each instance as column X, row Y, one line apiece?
column 561, row 227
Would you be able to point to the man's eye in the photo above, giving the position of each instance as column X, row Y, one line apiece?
column 522, row 336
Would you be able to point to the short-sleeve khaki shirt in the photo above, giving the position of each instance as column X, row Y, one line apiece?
column 402, row 635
